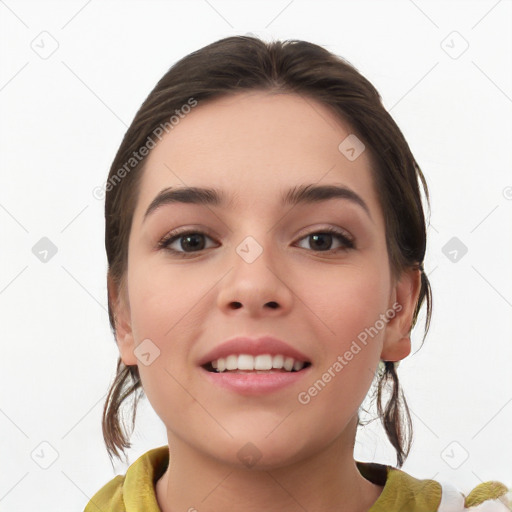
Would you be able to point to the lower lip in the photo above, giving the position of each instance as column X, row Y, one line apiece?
column 255, row 383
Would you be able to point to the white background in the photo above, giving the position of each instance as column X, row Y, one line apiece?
column 63, row 118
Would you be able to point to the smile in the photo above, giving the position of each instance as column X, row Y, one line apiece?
column 255, row 375
column 262, row 363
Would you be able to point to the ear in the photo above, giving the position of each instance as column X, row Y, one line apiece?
column 122, row 318
column 397, row 341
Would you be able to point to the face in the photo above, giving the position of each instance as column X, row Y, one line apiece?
column 320, row 292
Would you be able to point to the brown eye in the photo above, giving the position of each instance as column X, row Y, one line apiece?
column 184, row 242
column 189, row 242
column 321, row 241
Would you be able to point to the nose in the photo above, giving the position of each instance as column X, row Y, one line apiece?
column 257, row 283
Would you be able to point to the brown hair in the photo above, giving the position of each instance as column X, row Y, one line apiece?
column 237, row 64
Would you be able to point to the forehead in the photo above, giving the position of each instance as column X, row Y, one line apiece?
column 254, row 146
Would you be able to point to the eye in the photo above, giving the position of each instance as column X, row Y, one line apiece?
column 322, row 239
column 188, row 241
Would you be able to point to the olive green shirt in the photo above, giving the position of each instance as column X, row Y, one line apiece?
column 135, row 491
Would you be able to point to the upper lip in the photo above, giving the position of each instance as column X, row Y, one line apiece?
column 254, row 347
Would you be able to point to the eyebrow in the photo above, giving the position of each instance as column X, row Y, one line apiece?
column 300, row 194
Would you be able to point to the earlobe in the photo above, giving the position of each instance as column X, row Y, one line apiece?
column 122, row 319
column 397, row 342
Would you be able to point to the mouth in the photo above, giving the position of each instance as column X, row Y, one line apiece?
column 260, row 364
column 249, row 375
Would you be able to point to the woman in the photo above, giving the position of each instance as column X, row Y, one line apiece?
column 265, row 237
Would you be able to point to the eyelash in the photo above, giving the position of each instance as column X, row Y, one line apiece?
column 164, row 243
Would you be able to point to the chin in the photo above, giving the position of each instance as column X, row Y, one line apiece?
column 263, row 453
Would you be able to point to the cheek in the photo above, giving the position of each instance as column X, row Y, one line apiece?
column 167, row 308
column 349, row 307
column 347, row 301
column 160, row 299
column 162, row 311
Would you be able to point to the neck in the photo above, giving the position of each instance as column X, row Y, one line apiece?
column 195, row 481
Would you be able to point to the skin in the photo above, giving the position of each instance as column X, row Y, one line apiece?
column 253, row 146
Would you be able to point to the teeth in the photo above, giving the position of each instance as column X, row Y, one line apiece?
column 277, row 361
column 231, row 362
column 288, row 364
column 245, row 362
column 259, row 362
column 298, row 365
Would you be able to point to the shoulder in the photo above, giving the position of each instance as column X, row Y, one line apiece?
column 402, row 491
column 441, row 496
column 109, row 497
column 491, row 496
column 136, row 487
